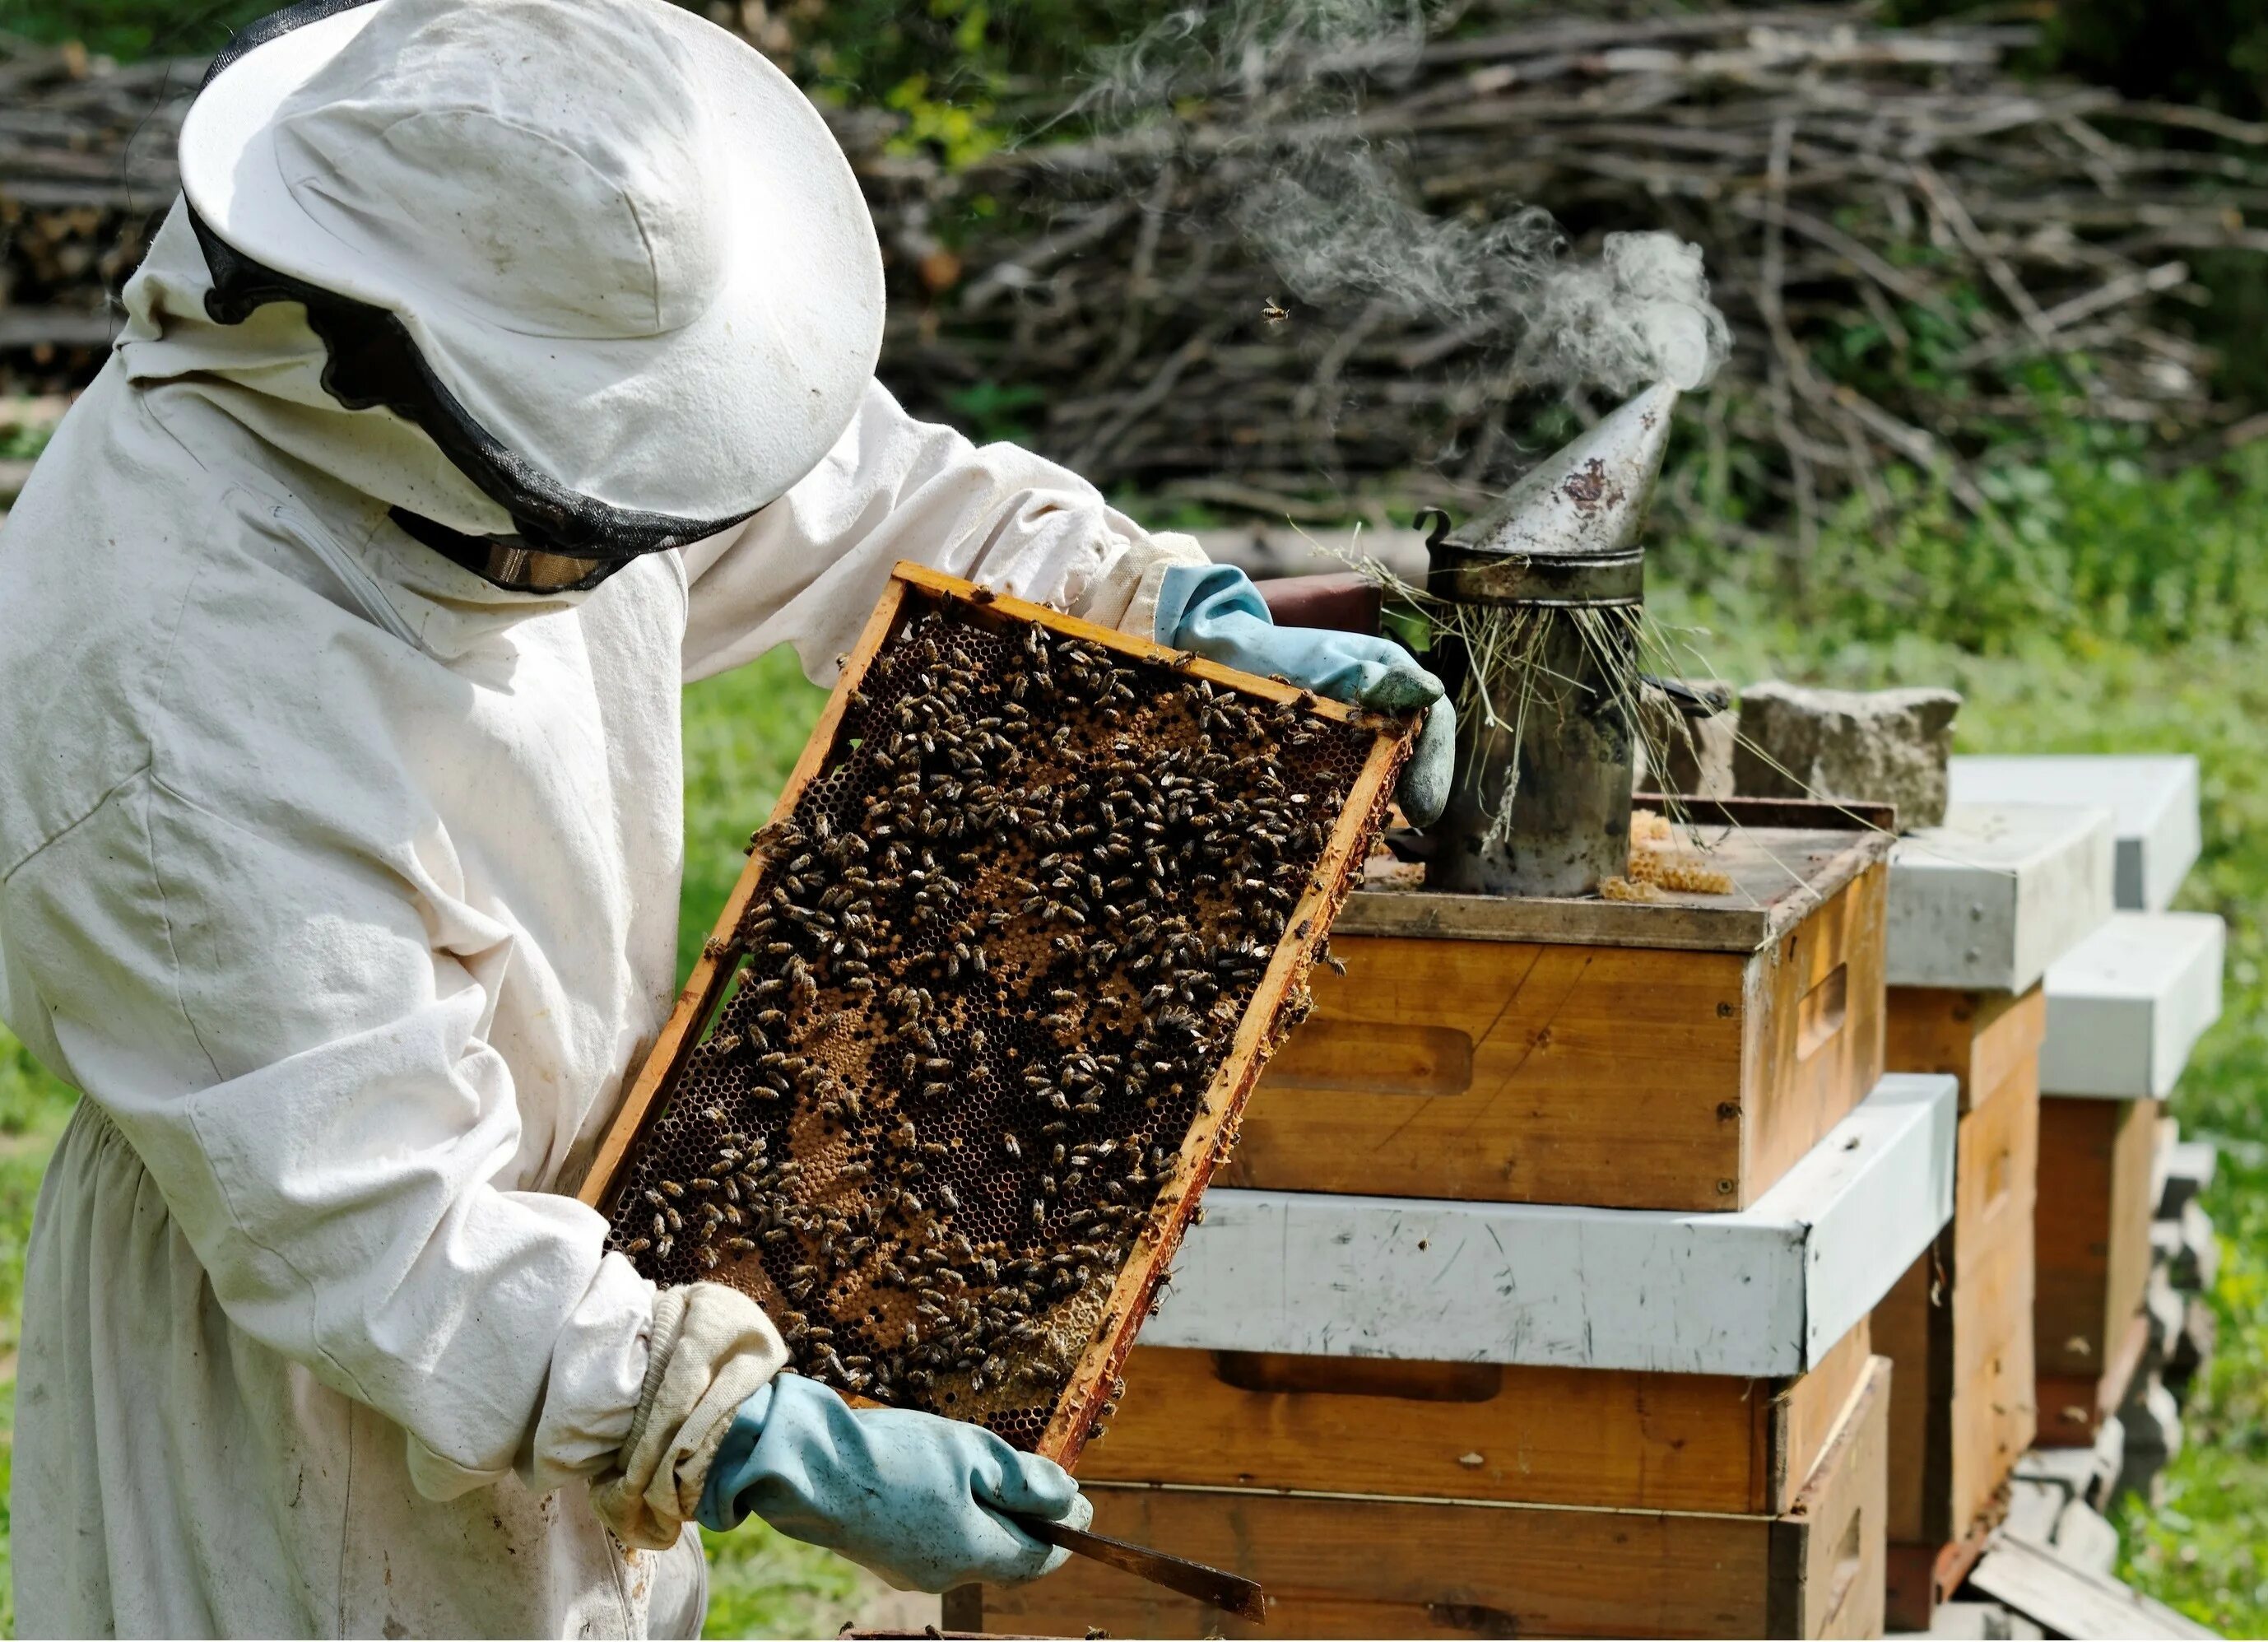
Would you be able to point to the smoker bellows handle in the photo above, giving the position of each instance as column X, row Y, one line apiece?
column 1226, row 1591
column 1694, row 701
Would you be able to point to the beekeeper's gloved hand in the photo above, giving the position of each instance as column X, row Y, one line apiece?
column 1215, row 611
column 911, row 1496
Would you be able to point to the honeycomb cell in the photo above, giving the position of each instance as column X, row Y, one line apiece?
column 999, row 949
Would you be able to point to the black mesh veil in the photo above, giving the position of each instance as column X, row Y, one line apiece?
column 372, row 360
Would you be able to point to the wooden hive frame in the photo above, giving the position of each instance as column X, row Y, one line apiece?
column 912, row 590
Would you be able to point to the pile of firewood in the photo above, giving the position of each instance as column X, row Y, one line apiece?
column 1916, row 248
column 1900, row 189
column 86, row 169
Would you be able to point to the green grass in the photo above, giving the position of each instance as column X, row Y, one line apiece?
column 743, row 731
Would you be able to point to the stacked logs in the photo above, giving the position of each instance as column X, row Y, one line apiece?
column 86, row 170
column 1913, row 244
column 1897, row 227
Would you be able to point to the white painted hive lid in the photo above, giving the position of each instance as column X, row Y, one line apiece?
column 2152, row 796
column 2128, row 1006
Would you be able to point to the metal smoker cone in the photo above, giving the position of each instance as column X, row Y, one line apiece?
column 1541, row 802
column 1587, row 498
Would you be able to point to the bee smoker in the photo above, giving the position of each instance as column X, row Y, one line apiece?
column 1542, row 801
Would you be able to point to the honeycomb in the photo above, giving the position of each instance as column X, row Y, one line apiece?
column 999, row 952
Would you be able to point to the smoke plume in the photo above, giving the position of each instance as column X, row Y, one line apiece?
column 1283, row 85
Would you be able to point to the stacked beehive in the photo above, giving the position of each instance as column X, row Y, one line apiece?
column 1980, row 907
column 1538, row 1301
column 2124, row 1007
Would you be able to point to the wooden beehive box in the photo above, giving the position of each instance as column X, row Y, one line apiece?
column 1372, row 1567
column 1623, row 1439
column 1957, row 1328
column 2093, row 1248
column 2126, row 1008
column 1036, row 903
column 1680, row 1055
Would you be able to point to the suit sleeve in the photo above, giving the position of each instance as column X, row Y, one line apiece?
column 296, row 1050
column 807, row 570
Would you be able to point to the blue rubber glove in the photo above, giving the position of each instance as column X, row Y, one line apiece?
column 911, row 1496
column 1216, row 611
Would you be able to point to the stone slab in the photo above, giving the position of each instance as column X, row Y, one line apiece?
column 1871, row 746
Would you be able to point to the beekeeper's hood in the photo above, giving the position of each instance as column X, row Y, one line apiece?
column 604, row 256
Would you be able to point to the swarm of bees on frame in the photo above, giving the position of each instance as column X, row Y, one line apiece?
column 999, row 951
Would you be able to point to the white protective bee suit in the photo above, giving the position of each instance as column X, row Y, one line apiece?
column 344, row 884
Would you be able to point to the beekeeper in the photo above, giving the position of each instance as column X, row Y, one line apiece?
column 505, row 366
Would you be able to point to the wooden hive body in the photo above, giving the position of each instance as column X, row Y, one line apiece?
column 1958, row 1327
column 2093, row 1243
column 1619, row 1438
column 2125, row 1009
column 1681, row 1056
column 931, row 893
column 1369, row 1566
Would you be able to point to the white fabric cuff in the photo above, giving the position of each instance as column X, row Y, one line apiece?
column 1125, row 595
column 711, row 1348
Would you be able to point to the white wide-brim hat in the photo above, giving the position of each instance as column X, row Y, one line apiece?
column 622, row 240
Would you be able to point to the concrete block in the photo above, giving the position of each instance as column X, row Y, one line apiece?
column 2127, row 1004
column 2187, row 1249
column 2153, row 796
column 2166, row 1310
column 1998, row 893
column 2034, row 1506
column 1979, row 1622
column 2152, row 1420
column 2085, row 1539
column 2082, row 1474
column 1879, row 747
column 2189, row 1170
column 2193, row 1352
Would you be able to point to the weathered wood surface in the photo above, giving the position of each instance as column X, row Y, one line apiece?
column 1958, row 1329
column 1997, row 894
column 1591, row 1075
column 2068, row 1602
column 1475, row 1430
column 1364, row 1567
column 1779, row 876
column 1981, row 1038
column 2153, row 798
column 2127, row 1006
column 1763, row 1291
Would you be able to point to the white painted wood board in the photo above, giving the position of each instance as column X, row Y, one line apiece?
column 2068, row 1600
column 2129, row 1004
column 1989, row 899
column 2153, row 798
column 1765, row 1292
